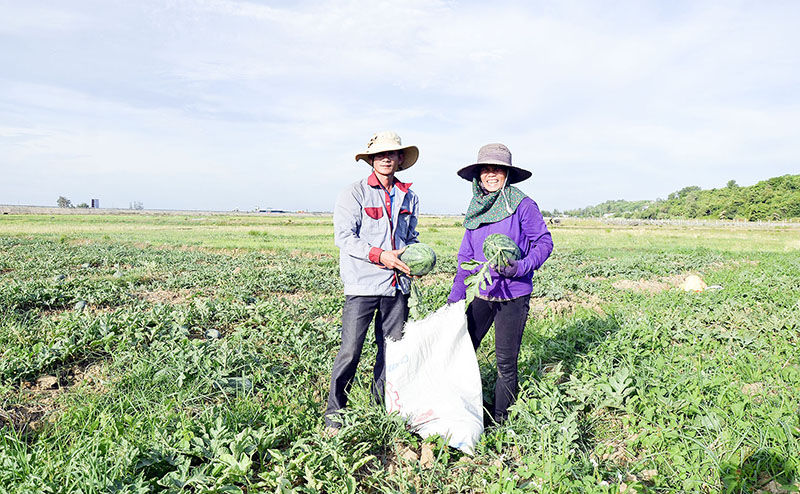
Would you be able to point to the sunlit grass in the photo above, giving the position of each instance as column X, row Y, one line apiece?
column 201, row 354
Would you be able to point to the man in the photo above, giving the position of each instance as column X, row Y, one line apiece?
column 374, row 220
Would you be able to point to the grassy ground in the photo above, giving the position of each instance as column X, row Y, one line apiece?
column 169, row 353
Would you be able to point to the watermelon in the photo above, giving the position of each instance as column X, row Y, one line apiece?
column 419, row 258
column 499, row 248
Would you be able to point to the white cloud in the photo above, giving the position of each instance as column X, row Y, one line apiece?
column 26, row 19
column 629, row 100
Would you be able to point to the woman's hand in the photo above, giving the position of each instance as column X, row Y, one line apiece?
column 391, row 259
column 509, row 271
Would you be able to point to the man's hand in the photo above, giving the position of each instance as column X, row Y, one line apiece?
column 509, row 271
column 391, row 259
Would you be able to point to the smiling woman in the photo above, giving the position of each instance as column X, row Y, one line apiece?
column 492, row 177
column 502, row 300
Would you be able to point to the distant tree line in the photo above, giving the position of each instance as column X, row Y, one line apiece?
column 777, row 198
column 615, row 208
column 63, row 202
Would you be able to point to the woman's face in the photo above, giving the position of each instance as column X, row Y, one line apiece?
column 492, row 177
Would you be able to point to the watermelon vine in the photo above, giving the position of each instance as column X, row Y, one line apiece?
column 498, row 249
column 420, row 259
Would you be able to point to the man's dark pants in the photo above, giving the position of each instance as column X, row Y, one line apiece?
column 390, row 313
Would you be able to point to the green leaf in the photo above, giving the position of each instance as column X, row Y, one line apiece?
column 360, row 463
column 415, row 310
column 487, row 275
column 472, row 292
column 350, row 484
column 470, row 265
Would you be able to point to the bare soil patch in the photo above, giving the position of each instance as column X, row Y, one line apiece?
column 77, row 242
column 615, row 449
column 24, row 419
column 664, row 283
column 404, row 458
column 732, row 263
column 295, row 297
column 60, row 313
column 166, row 296
column 650, row 286
column 434, row 279
column 541, row 307
column 39, row 403
column 753, row 389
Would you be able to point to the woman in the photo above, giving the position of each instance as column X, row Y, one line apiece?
column 498, row 207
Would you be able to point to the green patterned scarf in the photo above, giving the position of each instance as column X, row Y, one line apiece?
column 491, row 207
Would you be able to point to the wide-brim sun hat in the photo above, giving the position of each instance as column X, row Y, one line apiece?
column 495, row 154
column 389, row 141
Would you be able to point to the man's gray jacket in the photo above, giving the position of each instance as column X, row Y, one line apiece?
column 366, row 222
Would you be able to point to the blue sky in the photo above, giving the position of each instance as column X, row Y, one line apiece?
column 222, row 104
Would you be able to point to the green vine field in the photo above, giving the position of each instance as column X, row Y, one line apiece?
column 181, row 353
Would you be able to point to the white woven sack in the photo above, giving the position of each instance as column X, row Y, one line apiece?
column 433, row 380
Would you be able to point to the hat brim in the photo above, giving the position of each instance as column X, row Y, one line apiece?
column 410, row 155
column 514, row 173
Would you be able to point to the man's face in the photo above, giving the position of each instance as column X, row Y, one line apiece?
column 387, row 162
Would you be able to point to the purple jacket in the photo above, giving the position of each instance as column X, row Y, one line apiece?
column 527, row 229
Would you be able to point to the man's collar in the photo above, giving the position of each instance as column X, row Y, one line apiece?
column 373, row 181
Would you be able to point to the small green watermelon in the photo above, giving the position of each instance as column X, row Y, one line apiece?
column 499, row 248
column 419, row 258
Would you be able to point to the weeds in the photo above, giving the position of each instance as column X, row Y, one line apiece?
column 216, row 381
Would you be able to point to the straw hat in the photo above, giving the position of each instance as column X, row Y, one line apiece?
column 389, row 141
column 495, row 154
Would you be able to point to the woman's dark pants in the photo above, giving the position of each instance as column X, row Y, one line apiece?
column 390, row 313
column 509, row 319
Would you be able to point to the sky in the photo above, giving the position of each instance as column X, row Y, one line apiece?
column 226, row 104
